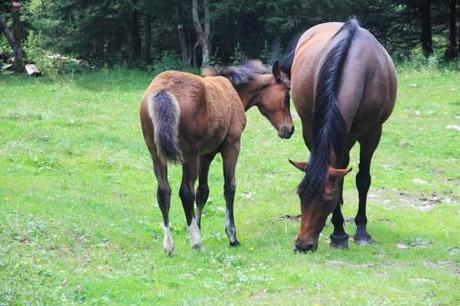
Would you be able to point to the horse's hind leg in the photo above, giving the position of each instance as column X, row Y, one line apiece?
column 164, row 200
column 187, row 195
column 363, row 182
column 202, row 192
column 230, row 156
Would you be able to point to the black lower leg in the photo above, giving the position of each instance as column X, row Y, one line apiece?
column 229, row 194
column 202, row 192
column 363, row 182
column 187, row 195
column 164, row 200
column 339, row 238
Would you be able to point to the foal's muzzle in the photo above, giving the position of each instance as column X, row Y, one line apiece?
column 285, row 132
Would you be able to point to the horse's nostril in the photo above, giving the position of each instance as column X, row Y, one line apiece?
column 304, row 248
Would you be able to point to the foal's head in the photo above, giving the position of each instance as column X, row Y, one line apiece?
column 258, row 86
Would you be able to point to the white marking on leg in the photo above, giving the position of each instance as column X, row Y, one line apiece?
column 168, row 244
column 229, row 227
column 195, row 235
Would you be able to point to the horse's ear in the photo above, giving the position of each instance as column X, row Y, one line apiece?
column 276, row 70
column 299, row 165
column 208, row 71
column 339, row 172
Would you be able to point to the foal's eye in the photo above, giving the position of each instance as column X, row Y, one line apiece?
column 287, row 98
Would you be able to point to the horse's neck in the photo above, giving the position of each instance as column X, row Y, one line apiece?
column 249, row 92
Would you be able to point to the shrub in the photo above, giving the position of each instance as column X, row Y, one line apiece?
column 49, row 62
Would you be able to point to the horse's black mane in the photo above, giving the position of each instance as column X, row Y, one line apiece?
column 239, row 75
column 288, row 55
column 329, row 125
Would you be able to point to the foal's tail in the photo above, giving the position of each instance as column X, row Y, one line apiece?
column 165, row 114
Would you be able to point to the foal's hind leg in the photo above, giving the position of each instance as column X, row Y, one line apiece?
column 202, row 192
column 164, row 200
column 187, row 195
column 363, row 182
column 230, row 156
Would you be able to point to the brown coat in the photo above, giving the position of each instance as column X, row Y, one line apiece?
column 211, row 110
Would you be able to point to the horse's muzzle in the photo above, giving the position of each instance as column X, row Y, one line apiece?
column 286, row 132
column 304, row 248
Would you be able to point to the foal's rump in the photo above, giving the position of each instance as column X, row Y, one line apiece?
column 164, row 112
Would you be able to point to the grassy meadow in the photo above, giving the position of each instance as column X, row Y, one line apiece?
column 79, row 221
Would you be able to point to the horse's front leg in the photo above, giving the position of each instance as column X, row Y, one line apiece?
column 230, row 156
column 339, row 238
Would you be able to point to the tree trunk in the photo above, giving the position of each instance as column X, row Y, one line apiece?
column 146, row 58
column 202, row 34
column 426, row 34
column 452, row 50
column 14, row 36
column 207, row 32
column 134, row 37
column 184, row 44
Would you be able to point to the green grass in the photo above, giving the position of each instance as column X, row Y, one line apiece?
column 79, row 221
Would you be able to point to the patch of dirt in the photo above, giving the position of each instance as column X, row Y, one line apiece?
column 443, row 265
column 340, row 263
column 420, row 243
column 292, row 218
column 454, row 251
column 422, row 202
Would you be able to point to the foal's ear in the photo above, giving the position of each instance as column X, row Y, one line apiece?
column 339, row 172
column 299, row 165
column 208, row 71
column 276, row 70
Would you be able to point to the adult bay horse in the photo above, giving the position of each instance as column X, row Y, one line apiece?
column 344, row 88
column 189, row 119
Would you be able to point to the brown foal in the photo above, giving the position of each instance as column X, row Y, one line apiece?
column 188, row 119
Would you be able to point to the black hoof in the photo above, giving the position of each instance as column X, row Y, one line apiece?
column 363, row 239
column 234, row 243
column 339, row 242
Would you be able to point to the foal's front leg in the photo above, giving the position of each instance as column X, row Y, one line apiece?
column 230, row 155
column 187, row 195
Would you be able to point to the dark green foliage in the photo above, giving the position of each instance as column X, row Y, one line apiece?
column 139, row 32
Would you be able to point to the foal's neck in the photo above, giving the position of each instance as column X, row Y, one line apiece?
column 249, row 92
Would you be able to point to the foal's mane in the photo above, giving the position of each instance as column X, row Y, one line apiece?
column 329, row 125
column 239, row 75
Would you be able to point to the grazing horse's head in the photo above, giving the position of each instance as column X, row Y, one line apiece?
column 258, row 86
column 315, row 207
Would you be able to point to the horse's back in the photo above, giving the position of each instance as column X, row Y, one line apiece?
column 306, row 65
column 368, row 83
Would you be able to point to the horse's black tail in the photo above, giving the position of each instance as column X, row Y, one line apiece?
column 165, row 114
column 329, row 125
